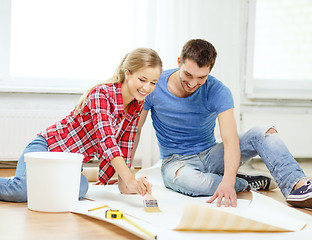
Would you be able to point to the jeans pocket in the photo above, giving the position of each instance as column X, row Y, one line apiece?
column 166, row 160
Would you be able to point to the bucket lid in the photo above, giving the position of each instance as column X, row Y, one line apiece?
column 53, row 156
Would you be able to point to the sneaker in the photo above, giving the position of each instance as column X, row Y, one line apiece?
column 258, row 182
column 301, row 197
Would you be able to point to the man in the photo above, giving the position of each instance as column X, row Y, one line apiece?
column 184, row 107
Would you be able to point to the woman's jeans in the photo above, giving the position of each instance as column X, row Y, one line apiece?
column 200, row 174
column 15, row 189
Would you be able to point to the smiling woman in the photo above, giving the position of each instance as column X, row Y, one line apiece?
column 142, row 82
column 102, row 125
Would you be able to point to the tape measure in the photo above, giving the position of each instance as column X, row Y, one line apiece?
column 113, row 214
column 116, row 214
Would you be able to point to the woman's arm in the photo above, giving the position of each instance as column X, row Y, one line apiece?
column 126, row 181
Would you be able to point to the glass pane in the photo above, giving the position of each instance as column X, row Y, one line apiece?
column 69, row 38
column 283, row 40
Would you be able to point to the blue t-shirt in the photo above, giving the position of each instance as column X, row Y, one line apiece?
column 186, row 125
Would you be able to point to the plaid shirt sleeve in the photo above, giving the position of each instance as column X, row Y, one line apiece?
column 93, row 131
column 103, row 117
column 106, row 112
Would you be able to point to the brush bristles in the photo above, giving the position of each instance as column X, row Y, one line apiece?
column 152, row 209
column 150, row 204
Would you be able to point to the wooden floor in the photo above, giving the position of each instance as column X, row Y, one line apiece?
column 17, row 222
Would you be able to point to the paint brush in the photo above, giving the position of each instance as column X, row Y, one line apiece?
column 150, row 203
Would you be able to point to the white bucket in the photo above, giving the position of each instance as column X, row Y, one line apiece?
column 53, row 181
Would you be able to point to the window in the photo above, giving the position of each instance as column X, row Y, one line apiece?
column 279, row 52
column 65, row 45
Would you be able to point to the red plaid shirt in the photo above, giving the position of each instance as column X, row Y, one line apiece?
column 93, row 131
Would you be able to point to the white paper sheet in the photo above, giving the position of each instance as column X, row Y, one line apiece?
column 172, row 205
column 263, row 214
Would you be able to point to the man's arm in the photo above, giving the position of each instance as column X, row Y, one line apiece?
column 230, row 140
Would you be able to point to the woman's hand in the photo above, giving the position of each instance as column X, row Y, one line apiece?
column 134, row 186
column 126, row 180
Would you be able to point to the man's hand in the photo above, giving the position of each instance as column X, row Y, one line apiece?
column 227, row 192
column 232, row 158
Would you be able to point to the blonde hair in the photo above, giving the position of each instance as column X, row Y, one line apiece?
column 137, row 59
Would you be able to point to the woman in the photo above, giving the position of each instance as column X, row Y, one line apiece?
column 102, row 125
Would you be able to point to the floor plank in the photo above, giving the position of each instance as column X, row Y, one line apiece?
column 17, row 222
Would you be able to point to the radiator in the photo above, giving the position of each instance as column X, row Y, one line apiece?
column 20, row 128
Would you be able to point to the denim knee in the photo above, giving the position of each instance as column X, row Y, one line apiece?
column 19, row 196
column 261, row 131
column 16, row 193
column 84, row 186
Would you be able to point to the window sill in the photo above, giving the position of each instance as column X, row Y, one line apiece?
column 301, row 95
column 42, row 90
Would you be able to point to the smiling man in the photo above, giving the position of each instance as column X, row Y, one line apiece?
column 184, row 106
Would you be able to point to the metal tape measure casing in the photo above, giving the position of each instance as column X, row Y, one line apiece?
column 113, row 214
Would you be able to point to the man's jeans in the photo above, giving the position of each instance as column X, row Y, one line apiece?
column 15, row 189
column 200, row 174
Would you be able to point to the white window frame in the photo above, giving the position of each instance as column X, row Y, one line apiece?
column 59, row 85
column 15, row 84
column 5, row 14
column 269, row 88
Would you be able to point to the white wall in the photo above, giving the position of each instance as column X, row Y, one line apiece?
column 221, row 22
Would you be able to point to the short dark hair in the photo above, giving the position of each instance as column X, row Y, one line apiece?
column 200, row 51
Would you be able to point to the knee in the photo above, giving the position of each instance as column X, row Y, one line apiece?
column 17, row 192
column 19, row 196
column 262, row 131
column 196, row 183
column 271, row 130
column 84, row 186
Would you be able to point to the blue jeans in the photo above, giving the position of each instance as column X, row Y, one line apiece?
column 200, row 174
column 15, row 189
